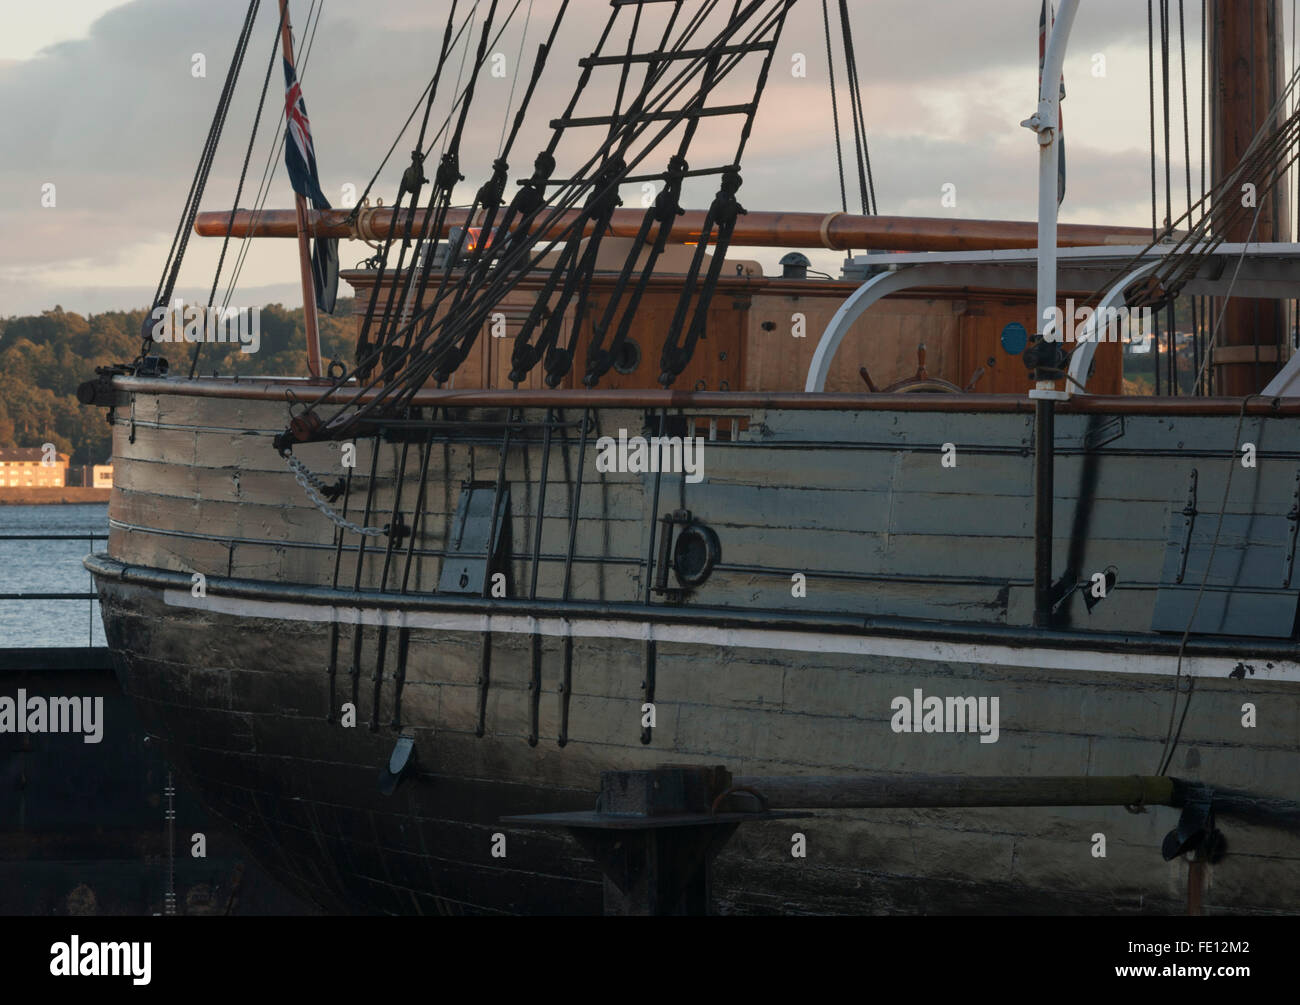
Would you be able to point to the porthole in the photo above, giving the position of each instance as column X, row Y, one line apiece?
column 695, row 552
column 628, row 358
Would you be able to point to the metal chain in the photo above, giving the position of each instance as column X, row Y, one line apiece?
column 313, row 486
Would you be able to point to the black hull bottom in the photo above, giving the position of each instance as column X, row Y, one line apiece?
column 304, row 794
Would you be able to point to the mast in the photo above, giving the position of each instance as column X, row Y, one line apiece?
column 304, row 229
column 1246, row 62
column 1045, row 123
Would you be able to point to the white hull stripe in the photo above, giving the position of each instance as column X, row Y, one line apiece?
column 741, row 638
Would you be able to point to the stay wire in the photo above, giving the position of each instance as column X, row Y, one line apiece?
column 569, row 197
column 176, row 255
column 415, row 110
column 1172, row 737
column 514, row 82
column 243, row 174
column 264, row 188
column 835, row 109
column 507, row 269
column 1151, row 118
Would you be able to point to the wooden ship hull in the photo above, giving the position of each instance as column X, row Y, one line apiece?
column 916, row 576
column 366, row 665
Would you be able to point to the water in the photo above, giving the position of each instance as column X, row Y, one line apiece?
column 49, row 567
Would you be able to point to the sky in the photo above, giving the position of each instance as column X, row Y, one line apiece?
column 102, row 100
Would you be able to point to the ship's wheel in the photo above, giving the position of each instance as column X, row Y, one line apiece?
column 920, row 382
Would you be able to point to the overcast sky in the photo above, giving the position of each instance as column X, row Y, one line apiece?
column 100, row 100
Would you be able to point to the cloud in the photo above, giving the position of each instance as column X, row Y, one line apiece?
column 116, row 121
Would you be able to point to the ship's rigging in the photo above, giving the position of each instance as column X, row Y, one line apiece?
column 436, row 306
column 683, row 73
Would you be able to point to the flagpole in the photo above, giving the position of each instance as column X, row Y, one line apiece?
column 304, row 243
column 1046, row 124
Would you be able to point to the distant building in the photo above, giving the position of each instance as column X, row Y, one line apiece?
column 25, row 467
column 103, row 476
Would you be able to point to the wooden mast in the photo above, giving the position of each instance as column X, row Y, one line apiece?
column 303, row 229
column 1246, row 65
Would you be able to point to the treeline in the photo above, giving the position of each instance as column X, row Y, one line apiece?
column 44, row 358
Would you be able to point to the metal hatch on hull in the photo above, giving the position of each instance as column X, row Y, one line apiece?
column 1250, row 590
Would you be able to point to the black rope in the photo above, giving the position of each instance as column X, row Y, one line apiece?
column 176, row 254
column 449, row 169
column 1164, row 92
column 415, row 109
column 446, row 178
column 243, row 174
column 1206, row 306
column 490, row 198
column 448, row 175
column 722, row 216
column 1171, row 737
column 1266, row 159
column 1187, row 166
column 865, row 179
column 363, row 349
column 531, row 194
column 514, row 80
column 575, row 229
column 264, row 187
column 522, row 242
column 368, row 352
column 1151, row 91
column 835, row 108
column 1171, row 359
column 167, row 280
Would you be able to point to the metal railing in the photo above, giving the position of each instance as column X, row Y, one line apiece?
column 89, row 596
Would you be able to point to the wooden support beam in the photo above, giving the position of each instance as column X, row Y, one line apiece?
column 817, row 792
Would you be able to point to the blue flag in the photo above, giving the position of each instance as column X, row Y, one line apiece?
column 300, row 159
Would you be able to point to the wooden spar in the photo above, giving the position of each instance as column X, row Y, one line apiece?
column 302, row 226
column 836, row 231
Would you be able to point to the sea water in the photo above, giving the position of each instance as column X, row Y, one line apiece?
column 49, row 567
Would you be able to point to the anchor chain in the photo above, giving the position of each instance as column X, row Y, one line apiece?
column 313, row 486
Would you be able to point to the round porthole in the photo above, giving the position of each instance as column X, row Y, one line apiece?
column 629, row 357
column 695, row 553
